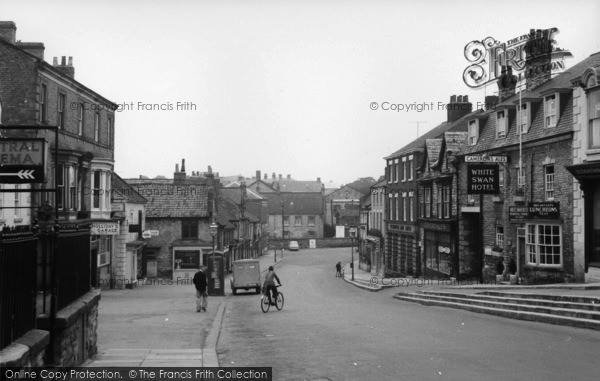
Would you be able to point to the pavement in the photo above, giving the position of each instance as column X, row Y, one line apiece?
column 156, row 324
column 372, row 282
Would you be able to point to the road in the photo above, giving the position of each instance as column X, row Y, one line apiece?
column 330, row 329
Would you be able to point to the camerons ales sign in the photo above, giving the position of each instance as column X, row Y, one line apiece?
column 22, row 161
column 487, row 57
column 483, row 179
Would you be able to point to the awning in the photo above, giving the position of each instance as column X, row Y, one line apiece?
column 585, row 171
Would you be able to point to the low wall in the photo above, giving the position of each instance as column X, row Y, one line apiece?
column 27, row 351
column 304, row 242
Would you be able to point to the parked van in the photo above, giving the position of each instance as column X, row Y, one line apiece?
column 246, row 275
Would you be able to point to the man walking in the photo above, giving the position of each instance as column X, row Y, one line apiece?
column 338, row 267
column 201, row 294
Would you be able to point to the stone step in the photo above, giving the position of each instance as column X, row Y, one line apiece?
column 575, row 302
column 507, row 310
column 560, row 298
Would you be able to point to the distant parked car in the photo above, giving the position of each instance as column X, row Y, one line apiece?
column 294, row 246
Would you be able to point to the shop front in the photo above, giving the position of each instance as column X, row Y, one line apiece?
column 187, row 261
column 439, row 249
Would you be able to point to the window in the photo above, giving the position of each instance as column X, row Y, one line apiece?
column 411, row 206
column 521, row 176
column 446, row 198
column 80, row 120
column 523, row 113
column 395, row 207
column 187, row 259
column 311, row 221
column 96, row 187
column 286, row 221
column 60, row 186
column 17, row 202
column 594, row 118
column 109, row 131
column 500, row 235
column 410, row 167
column 96, row 127
column 390, row 199
column 61, row 110
column 473, row 132
column 390, row 171
column 43, row 103
column 297, row 220
column 396, row 169
column 404, row 169
column 427, row 201
column 470, row 199
column 543, row 244
column 312, row 234
column 501, row 178
column 549, row 182
column 501, row 123
column 72, row 180
column 550, row 110
column 404, row 208
column 189, row 229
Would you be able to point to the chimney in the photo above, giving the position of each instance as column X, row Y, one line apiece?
column 458, row 107
column 491, row 101
column 318, row 179
column 257, row 175
column 176, row 167
column 179, row 176
column 266, row 176
column 289, row 177
column 538, row 58
column 64, row 68
column 183, row 165
column 274, row 177
column 8, row 31
column 33, row 48
column 280, row 176
column 507, row 82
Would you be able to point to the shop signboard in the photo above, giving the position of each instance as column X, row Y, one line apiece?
column 483, row 179
column 104, row 228
column 22, row 161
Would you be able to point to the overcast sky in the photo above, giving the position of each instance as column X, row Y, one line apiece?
column 281, row 86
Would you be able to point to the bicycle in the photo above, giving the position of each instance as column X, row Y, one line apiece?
column 264, row 301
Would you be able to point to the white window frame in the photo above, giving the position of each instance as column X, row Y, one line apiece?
column 521, row 175
column 551, row 107
column 533, row 247
column 96, row 126
column 593, row 116
column 62, row 101
column 312, row 221
column 404, row 208
column 81, row 119
column 390, row 206
column 500, row 235
column 404, row 169
column 501, row 124
column 523, row 118
column 396, row 170
column 473, row 131
column 411, row 206
column 296, row 219
column 410, row 167
column 549, row 182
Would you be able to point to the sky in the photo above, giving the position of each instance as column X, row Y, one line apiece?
column 283, row 87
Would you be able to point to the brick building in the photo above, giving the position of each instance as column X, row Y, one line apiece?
column 36, row 93
column 342, row 207
column 586, row 164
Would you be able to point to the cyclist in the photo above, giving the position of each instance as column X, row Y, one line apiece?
column 269, row 285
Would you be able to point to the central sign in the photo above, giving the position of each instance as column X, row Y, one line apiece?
column 483, row 179
column 22, row 161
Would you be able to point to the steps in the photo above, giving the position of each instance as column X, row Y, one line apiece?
column 575, row 311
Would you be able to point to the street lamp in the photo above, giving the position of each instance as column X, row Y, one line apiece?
column 212, row 230
column 352, row 235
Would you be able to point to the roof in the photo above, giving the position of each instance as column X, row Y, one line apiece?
column 417, row 144
column 235, row 194
column 298, row 186
column 125, row 192
column 456, row 141
column 169, row 200
column 295, row 203
column 433, row 148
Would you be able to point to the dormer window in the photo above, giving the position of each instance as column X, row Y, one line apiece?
column 473, row 132
column 551, row 110
column 501, row 124
column 523, row 117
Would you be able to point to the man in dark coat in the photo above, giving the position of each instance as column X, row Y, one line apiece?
column 201, row 294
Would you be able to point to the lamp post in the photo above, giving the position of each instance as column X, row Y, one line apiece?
column 352, row 235
column 212, row 230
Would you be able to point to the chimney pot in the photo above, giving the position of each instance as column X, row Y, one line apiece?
column 289, row 177
column 63, row 61
column 182, row 165
column 55, row 61
column 70, row 61
column 318, row 179
column 465, row 98
column 8, row 31
column 459, row 99
column 453, row 99
column 176, row 167
column 266, row 176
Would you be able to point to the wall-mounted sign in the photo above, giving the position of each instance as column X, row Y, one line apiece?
column 146, row 234
column 435, row 226
column 22, row 161
column 486, row 159
column 312, row 243
column 486, row 57
column 117, row 207
column 443, row 249
column 545, row 210
column 104, row 228
column 483, row 179
column 518, row 213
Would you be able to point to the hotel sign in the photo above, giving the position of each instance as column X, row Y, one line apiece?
column 483, row 179
column 487, row 57
column 22, row 161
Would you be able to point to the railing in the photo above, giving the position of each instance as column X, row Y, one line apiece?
column 18, row 256
column 73, row 264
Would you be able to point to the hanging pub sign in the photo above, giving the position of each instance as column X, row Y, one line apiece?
column 544, row 210
column 483, row 179
column 22, row 161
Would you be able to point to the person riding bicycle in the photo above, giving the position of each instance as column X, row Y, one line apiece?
column 269, row 285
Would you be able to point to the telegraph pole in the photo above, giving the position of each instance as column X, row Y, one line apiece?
column 418, row 122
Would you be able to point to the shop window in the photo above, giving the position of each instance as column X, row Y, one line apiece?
column 187, row 259
column 544, row 245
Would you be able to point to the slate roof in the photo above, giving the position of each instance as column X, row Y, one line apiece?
column 296, row 203
column 434, row 148
column 456, row 141
column 168, row 200
column 122, row 191
column 417, row 144
column 298, row 186
column 487, row 133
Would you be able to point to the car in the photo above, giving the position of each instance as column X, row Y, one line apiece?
column 294, row 246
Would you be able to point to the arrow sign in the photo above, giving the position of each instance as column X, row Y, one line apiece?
column 20, row 175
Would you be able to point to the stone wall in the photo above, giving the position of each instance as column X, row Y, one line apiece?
column 304, row 243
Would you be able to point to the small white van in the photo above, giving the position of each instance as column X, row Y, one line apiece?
column 246, row 275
